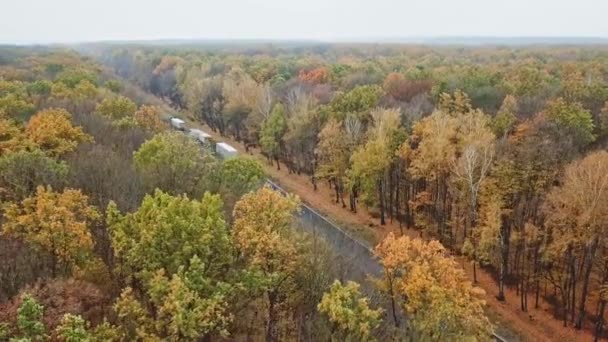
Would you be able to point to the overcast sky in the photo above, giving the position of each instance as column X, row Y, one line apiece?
column 43, row 21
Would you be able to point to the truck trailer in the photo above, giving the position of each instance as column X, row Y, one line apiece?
column 225, row 151
column 199, row 135
column 178, row 123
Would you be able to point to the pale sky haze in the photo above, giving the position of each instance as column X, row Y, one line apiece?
column 46, row 21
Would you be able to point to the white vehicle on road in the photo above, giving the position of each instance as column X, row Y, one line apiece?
column 178, row 123
column 225, row 151
column 199, row 135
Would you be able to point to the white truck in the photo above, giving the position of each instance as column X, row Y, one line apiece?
column 225, row 151
column 199, row 135
column 178, row 123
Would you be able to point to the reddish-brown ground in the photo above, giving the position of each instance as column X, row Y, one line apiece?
column 535, row 325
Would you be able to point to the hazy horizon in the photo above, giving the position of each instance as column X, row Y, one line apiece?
column 73, row 21
column 422, row 40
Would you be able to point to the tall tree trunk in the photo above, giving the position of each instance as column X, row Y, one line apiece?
column 516, row 269
column 524, row 281
column 504, row 256
column 352, row 202
column 271, row 326
column 573, row 288
column 442, row 205
column 565, row 286
column 313, row 177
column 474, row 269
column 398, row 197
column 389, row 181
column 381, row 196
column 586, row 275
column 355, row 191
column 409, row 221
column 341, row 186
column 599, row 325
column 536, row 276
column 337, row 189
column 468, row 223
column 393, row 304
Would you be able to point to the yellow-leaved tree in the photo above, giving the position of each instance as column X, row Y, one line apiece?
column 332, row 155
column 52, row 130
column 263, row 235
column 56, row 223
column 372, row 161
column 440, row 302
column 180, row 250
column 349, row 312
column 117, row 108
column 12, row 138
column 436, row 147
column 577, row 217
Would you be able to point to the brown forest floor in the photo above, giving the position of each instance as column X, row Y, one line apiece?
column 535, row 325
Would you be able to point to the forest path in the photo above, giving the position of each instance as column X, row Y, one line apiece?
column 535, row 325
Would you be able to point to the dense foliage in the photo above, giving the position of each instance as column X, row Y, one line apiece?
column 464, row 144
column 492, row 153
column 115, row 229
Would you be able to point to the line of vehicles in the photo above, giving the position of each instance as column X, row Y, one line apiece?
column 222, row 149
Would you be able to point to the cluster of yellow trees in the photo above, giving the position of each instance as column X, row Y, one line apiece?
column 496, row 156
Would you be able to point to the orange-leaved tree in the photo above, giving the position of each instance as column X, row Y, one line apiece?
column 148, row 117
column 56, row 223
column 434, row 292
column 52, row 130
column 314, row 76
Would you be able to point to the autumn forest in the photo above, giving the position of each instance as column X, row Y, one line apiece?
column 477, row 177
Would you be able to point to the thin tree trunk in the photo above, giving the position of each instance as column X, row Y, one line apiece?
column 474, row 270
column 409, row 222
column 536, row 276
column 573, row 287
column 313, row 177
column 504, row 253
column 516, row 269
column 587, row 274
column 352, row 202
column 337, row 189
column 389, row 181
column 599, row 325
column 525, row 276
column 271, row 326
column 342, row 195
column 393, row 304
column 565, row 288
column 398, row 197
column 381, row 195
